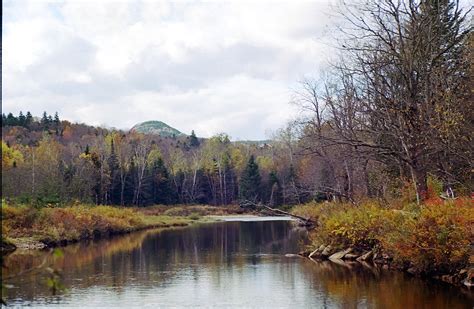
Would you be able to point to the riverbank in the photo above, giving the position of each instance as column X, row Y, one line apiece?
column 27, row 227
column 432, row 240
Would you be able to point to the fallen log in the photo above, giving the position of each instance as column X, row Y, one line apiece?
column 250, row 204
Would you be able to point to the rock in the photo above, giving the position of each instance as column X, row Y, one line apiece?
column 351, row 256
column 462, row 271
column 30, row 244
column 306, row 253
column 318, row 252
column 385, row 266
column 364, row 257
column 386, row 257
column 327, row 251
column 412, row 270
column 378, row 258
column 447, row 278
column 339, row 255
column 469, row 281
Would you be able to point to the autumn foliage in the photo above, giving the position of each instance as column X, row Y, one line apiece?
column 432, row 237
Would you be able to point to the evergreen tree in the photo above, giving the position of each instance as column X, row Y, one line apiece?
column 21, row 119
column 56, row 121
column 87, row 151
column 45, row 121
column 163, row 190
column 194, row 141
column 4, row 120
column 28, row 119
column 250, row 181
column 11, row 120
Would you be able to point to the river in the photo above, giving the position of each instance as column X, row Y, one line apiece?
column 225, row 264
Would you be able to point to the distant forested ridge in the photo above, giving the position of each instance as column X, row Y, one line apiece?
column 47, row 160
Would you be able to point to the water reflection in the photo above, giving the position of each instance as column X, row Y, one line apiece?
column 222, row 264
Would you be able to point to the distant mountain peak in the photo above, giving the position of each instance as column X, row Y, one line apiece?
column 156, row 127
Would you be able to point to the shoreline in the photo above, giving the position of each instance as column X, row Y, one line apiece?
column 27, row 228
column 431, row 240
column 461, row 277
column 29, row 243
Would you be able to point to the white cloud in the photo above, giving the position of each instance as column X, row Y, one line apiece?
column 212, row 67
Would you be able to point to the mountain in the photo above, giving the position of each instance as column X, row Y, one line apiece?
column 156, row 127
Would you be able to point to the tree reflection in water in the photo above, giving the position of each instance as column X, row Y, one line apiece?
column 228, row 264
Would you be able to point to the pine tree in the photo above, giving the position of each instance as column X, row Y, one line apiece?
column 4, row 120
column 28, row 119
column 44, row 121
column 194, row 141
column 163, row 192
column 11, row 120
column 250, row 181
column 57, row 122
column 21, row 119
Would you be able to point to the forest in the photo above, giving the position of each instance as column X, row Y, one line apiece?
column 391, row 114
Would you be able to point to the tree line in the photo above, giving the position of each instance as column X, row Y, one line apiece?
column 101, row 166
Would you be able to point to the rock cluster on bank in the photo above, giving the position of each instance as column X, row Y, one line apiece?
column 463, row 276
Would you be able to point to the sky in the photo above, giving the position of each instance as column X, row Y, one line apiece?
column 222, row 66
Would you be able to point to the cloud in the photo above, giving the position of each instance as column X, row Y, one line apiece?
column 212, row 67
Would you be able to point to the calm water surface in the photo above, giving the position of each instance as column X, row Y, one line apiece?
column 228, row 264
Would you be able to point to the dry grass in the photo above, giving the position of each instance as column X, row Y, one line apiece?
column 25, row 224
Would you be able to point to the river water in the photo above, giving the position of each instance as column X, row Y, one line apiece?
column 226, row 264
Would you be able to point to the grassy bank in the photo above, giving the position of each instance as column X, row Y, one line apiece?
column 433, row 238
column 29, row 227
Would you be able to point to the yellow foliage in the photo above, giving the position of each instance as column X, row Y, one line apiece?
column 433, row 236
column 10, row 156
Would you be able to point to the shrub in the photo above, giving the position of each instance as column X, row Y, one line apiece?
column 437, row 239
column 68, row 223
column 434, row 237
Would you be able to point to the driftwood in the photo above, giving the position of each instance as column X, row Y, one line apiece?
column 252, row 205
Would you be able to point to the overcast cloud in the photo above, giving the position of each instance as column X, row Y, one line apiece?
column 212, row 67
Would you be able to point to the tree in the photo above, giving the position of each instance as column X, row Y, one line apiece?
column 275, row 189
column 194, row 141
column 162, row 190
column 11, row 120
column 45, row 121
column 250, row 181
column 28, row 119
column 399, row 93
column 21, row 119
column 114, row 170
column 56, row 120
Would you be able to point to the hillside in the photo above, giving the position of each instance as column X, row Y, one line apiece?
column 156, row 127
